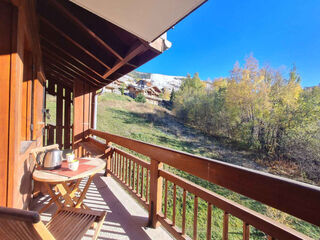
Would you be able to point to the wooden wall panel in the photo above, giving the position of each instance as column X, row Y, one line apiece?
column 16, row 80
column 67, row 119
column 78, row 110
column 93, row 96
column 6, row 15
column 82, row 105
column 24, row 113
column 86, row 107
column 29, row 108
column 59, row 115
column 18, row 162
column 26, row 97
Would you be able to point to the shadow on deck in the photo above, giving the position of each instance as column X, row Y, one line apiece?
column 126, row 219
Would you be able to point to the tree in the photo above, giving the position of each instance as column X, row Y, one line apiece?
column 192, row 84
column 122, row 88
column 140, row 98
column 259, row 108
column 165, row 94
column 172, row 96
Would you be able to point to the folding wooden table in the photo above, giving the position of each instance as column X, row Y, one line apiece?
column 68, row 186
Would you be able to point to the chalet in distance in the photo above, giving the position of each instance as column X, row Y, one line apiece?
column 71, row 49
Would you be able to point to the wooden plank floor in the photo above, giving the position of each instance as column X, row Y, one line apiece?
column 126, row 219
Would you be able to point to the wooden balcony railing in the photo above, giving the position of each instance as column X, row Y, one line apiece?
column 133, row 173
column 144, row 180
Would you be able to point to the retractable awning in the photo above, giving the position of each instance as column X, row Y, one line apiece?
column 147, row 19
column 99, row 41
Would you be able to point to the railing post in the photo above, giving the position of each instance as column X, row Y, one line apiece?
column 109, row 152
column 155, row 193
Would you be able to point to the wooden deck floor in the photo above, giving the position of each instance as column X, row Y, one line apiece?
column 126, row 219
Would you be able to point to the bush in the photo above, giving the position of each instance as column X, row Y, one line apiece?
column 260, row 109
column 140, row 98
column 122, row 88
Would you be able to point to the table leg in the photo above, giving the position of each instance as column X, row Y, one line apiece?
column 84, row 192
column 75, row 189
column 54, row 199
column 65, row 191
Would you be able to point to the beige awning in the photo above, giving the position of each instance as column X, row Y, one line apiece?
column 146, row 19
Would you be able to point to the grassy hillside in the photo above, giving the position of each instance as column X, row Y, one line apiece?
column 121, row 115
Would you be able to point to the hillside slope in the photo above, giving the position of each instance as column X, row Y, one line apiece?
column 123, row 116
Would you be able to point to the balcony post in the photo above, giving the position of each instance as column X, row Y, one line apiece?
column 109, row 152
column 155, row 193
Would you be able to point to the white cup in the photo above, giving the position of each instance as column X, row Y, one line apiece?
column 73, row 166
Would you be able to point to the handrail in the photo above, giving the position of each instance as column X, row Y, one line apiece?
column 134, row 158
column 298, row 199
column 261, row 222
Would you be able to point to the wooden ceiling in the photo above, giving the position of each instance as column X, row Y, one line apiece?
column 78, row 45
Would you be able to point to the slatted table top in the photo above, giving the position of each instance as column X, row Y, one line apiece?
column 52, row 177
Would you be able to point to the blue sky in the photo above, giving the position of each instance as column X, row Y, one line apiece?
column 278, row 33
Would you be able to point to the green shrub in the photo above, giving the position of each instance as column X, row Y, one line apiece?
column 122, row 88
column 140, row 98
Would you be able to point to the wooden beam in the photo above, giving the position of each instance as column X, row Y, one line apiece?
column 53, row 48
column 132, row 65
column 132, row 53
column 59, row 80
column 54, row 72
column 69, row 68
column 51, row 58
column 73, row 41
column 61, row 70
column 54, row 75
column 75, row 20
column 72, row 56
column 58, row 71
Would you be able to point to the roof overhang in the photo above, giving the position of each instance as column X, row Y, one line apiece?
column 146, row 19
column 79, row 45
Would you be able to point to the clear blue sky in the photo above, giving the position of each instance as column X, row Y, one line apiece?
column 278, row 32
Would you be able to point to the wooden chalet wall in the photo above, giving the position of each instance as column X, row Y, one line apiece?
column 80, row 56
column 83, row 113
column 21, row 100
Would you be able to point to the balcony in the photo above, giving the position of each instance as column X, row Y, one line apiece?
column 157, row 189
column 126, row 218
column 71, row 58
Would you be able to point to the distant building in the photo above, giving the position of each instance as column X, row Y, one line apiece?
column 114, row 87
column 145, row 87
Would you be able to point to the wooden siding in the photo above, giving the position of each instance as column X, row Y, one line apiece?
column 7, row 12
column 22, row 84
column 82, row 113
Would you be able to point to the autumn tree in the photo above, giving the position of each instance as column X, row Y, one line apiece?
column 256, row 106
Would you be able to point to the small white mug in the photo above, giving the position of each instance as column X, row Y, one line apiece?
column 73, row 166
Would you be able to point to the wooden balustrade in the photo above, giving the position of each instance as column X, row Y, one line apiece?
column 50, row 135
column 131, row 172
column 144, row 180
